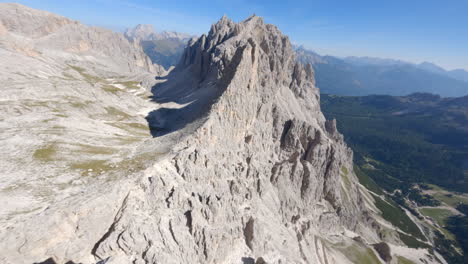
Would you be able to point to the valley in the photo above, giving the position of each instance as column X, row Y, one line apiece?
column 399, row 145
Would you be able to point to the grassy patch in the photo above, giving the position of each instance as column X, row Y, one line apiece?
column 68, row 76
column 95, row 149
column 133, row 128
column 33, row 103
column 112, row 111
column 138, row 162
column 345, row 178
column 79, row 105
column 412, row 242
column 91, row 167
column 138, row 126
column 450, row 199
column 361, row 255
column 395, row 215
column 110, row 88
column 403, row 260
column 45, row 153
column 91, row 79
column 367, row 181
column 344, row 170
column 127, row 140
column 130, row 84
column 440, row 215
column 447, row 234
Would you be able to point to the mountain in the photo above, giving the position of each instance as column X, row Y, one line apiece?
column 362, row 61
column 147, row 32
column 458, row 74
column 236, row 163
column 432, row 68
column 163, row 48
column 366, row 76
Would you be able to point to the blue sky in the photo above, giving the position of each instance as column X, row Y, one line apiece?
column 411, row 30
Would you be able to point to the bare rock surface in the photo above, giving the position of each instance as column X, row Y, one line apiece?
column 72, row 110
column 240, row 167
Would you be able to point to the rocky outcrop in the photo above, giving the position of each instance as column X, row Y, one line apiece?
column 259, row 177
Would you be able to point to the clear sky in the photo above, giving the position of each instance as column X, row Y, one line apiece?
column 411, row 30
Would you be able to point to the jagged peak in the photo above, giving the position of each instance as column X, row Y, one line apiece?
column 266, row 41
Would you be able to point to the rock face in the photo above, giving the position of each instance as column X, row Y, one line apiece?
column 245, row 170
column 260, row 176
column 264, row 166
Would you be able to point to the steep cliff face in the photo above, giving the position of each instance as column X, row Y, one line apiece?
column 245, row 170
column 261, row 176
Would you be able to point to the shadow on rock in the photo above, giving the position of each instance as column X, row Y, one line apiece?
column 184, row 101
column 248, row 260
column 52, row 261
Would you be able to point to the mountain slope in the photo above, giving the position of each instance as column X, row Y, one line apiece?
column 458, row 74
column 366, row 76
column 71, row 103
column 240, row 167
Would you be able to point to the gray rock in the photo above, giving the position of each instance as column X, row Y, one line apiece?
column 260, row 158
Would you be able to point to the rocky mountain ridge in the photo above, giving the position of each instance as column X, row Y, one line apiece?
column 164, row 48
column 240, row 167
column 147, row 32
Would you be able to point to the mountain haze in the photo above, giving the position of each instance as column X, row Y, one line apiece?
column 366, row 76
column 163, row 48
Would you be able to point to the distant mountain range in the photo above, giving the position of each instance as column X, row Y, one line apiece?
column 164, row 48
column 367, row 75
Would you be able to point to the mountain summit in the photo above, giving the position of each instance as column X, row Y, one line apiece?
column 253, row 167
column 244, row 169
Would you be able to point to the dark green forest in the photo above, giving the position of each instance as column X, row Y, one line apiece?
column 415, row 139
